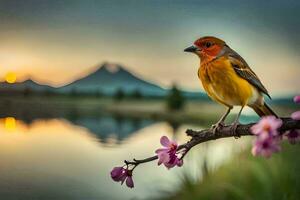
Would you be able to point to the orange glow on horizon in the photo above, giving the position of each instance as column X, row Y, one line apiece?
column 10, row 77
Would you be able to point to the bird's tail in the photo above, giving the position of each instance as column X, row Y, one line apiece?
column 263, row 110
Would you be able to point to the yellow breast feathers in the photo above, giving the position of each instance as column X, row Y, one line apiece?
column 223, row 85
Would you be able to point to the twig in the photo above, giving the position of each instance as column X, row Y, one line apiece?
column 201, row 136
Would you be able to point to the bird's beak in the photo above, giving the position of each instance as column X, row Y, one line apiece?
column 192, row 49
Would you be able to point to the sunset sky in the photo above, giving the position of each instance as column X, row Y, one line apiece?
column 56, row 41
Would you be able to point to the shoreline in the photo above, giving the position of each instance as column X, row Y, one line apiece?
column 194, row 112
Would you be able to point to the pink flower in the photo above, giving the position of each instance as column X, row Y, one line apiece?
column 297, row 99
column 267, row 136
column 293, row 136
column 296, row 115
column 129, row 180
column 167, row 155
column 265, row 147
column 120, row 174
column 267, row 126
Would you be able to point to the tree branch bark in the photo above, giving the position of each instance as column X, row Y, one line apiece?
column 201, row 136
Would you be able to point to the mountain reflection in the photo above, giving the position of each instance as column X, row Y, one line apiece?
column 103, row 127
column 118, row 127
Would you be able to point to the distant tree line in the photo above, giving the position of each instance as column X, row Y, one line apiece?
column 120, row 95
column 74, row 93
column 174, row 100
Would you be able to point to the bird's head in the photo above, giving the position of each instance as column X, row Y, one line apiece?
column 207, row 48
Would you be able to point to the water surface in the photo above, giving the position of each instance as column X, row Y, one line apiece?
column 61, row 159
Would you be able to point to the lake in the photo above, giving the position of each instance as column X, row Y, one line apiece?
column 56, row 158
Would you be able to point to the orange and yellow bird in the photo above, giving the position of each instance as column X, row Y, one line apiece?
column 228, row 79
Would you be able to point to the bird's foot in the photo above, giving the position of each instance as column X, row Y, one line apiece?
column 217, row 126
column 233, row 130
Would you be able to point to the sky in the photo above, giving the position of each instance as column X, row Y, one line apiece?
column 57, row 41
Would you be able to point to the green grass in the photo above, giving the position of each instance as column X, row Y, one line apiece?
column 248, row 177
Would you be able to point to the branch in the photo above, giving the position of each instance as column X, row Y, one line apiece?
column 201, row 136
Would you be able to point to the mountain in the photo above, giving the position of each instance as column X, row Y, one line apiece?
column 109, row 78
column 25, row 85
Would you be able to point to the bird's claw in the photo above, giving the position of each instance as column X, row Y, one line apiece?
column 233, row 130
column 216, row 126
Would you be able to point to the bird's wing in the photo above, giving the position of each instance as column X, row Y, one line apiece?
column 243, row 70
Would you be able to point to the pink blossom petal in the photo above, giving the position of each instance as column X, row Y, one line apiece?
column 161, row 150
column 122, row 178
column 297, row 99
column 274, row 122
column 164, row 140
column 267, row 125
column 179, row 162
column 296, row 115
column 163, row 158
column 170, row 165
column 293, row 136
column 266, row 147
column 129, row 182
column 277, row 124
column 168, row 155
column 256, row 129
column 263, row 136
column 116, row 171
column 117, row 174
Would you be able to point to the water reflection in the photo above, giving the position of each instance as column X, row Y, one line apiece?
column 104, row 127
column 56, row 159
column 107, row 127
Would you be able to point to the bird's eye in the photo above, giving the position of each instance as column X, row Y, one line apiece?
column 208, row 44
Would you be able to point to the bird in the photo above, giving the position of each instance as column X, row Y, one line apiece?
column 228, row 79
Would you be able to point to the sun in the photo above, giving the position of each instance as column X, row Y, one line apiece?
column 10, row 123
column 10, row 77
